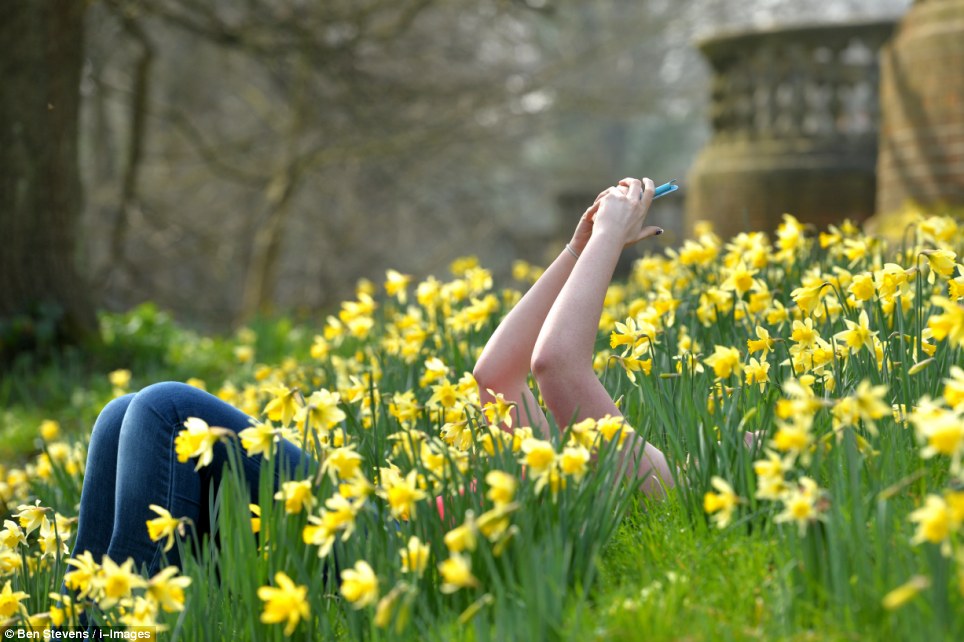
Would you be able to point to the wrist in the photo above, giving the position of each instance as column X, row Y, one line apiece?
column 577, row 244
column 608, row 237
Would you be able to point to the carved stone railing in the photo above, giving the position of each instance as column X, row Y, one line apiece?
column 795, row 118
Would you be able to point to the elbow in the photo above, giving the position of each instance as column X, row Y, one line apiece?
column 484, row 375
column 542, row 364
column 562, row 382
column 488, row 376
column 550, row 370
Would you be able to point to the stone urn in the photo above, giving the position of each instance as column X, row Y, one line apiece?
column 921, row 158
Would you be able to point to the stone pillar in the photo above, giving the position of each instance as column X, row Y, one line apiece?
column 795, row 119
column 922, row 103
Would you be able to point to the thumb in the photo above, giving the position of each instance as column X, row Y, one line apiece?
column 645, row 233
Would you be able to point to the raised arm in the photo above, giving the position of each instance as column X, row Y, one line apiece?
column 562, row 358
column 503, row 366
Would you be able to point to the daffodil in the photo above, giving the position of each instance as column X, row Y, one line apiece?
column 539, row 455
column 30, row 517
column 763, row 343
column 941, row 261
column 905, row 592
column 862, row 287
column 456, row 574
column 114, row 583
column 721, row 503
column 120, row 379
column 285, row 602
column 502, row 487
column 164, row 525
column 81, row 577
column 415, row 556
column 401, row 493
column 297, row 496
column 757, row 371
column 49, row 430
column 866, row 404
column 954, row 388
column 857, row 335
column 12, row 535
column 935, row 522
column 50, row 542
column 949, row 325
column 283, row 404
column 725, row 361
column 197, row 440
column 808, row 298
column 574, row 461
column 10, row 601
column 359, row 585
column 803, row 333
column 462, row 537
column 342, row 463
column 794, row 437
column 802, row 505
column 941, row 431
column 321, row 410
column 166, row 589
column 63, row 609
column 739, row 278
column 260, row 439
column 499, row 410
column 770, row 474
column 610, row 426
column 632, row 365
column 396, row 285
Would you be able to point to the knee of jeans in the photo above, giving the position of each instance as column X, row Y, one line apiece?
column 111, row 417
column 161, row 399
column 164, row 390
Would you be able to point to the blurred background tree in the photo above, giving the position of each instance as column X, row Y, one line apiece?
column 239, row 157
column 41, row 293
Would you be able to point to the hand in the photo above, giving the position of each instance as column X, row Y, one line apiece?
column 584, row 228
column 623, row 208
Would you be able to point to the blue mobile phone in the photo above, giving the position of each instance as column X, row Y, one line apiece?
column 666, row 188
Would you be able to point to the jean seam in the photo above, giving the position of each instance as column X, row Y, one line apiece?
column 155, row 560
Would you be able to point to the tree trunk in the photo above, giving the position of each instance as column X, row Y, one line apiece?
column 40, row 192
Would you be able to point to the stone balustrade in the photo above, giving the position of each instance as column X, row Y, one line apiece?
column 795, row 119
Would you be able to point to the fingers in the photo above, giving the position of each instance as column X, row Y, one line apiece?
column 632, row 188
column 649, row 185
column 590, row 212
column 648, row 191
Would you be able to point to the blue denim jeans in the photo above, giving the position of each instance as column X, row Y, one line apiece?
column 131, row 464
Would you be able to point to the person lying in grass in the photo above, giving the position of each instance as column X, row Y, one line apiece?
column 135, row 470
column 552, row 330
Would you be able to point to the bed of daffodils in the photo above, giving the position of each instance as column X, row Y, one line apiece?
column 838, row 353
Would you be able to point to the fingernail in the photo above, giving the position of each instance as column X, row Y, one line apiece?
column 660, row 231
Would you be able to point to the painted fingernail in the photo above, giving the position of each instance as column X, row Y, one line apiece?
column 659, row 231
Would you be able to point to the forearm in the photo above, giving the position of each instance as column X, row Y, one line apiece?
column 566, row 341
column 506, row 356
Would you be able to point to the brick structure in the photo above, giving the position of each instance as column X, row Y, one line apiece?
column 795, row 126
column 922, row 109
